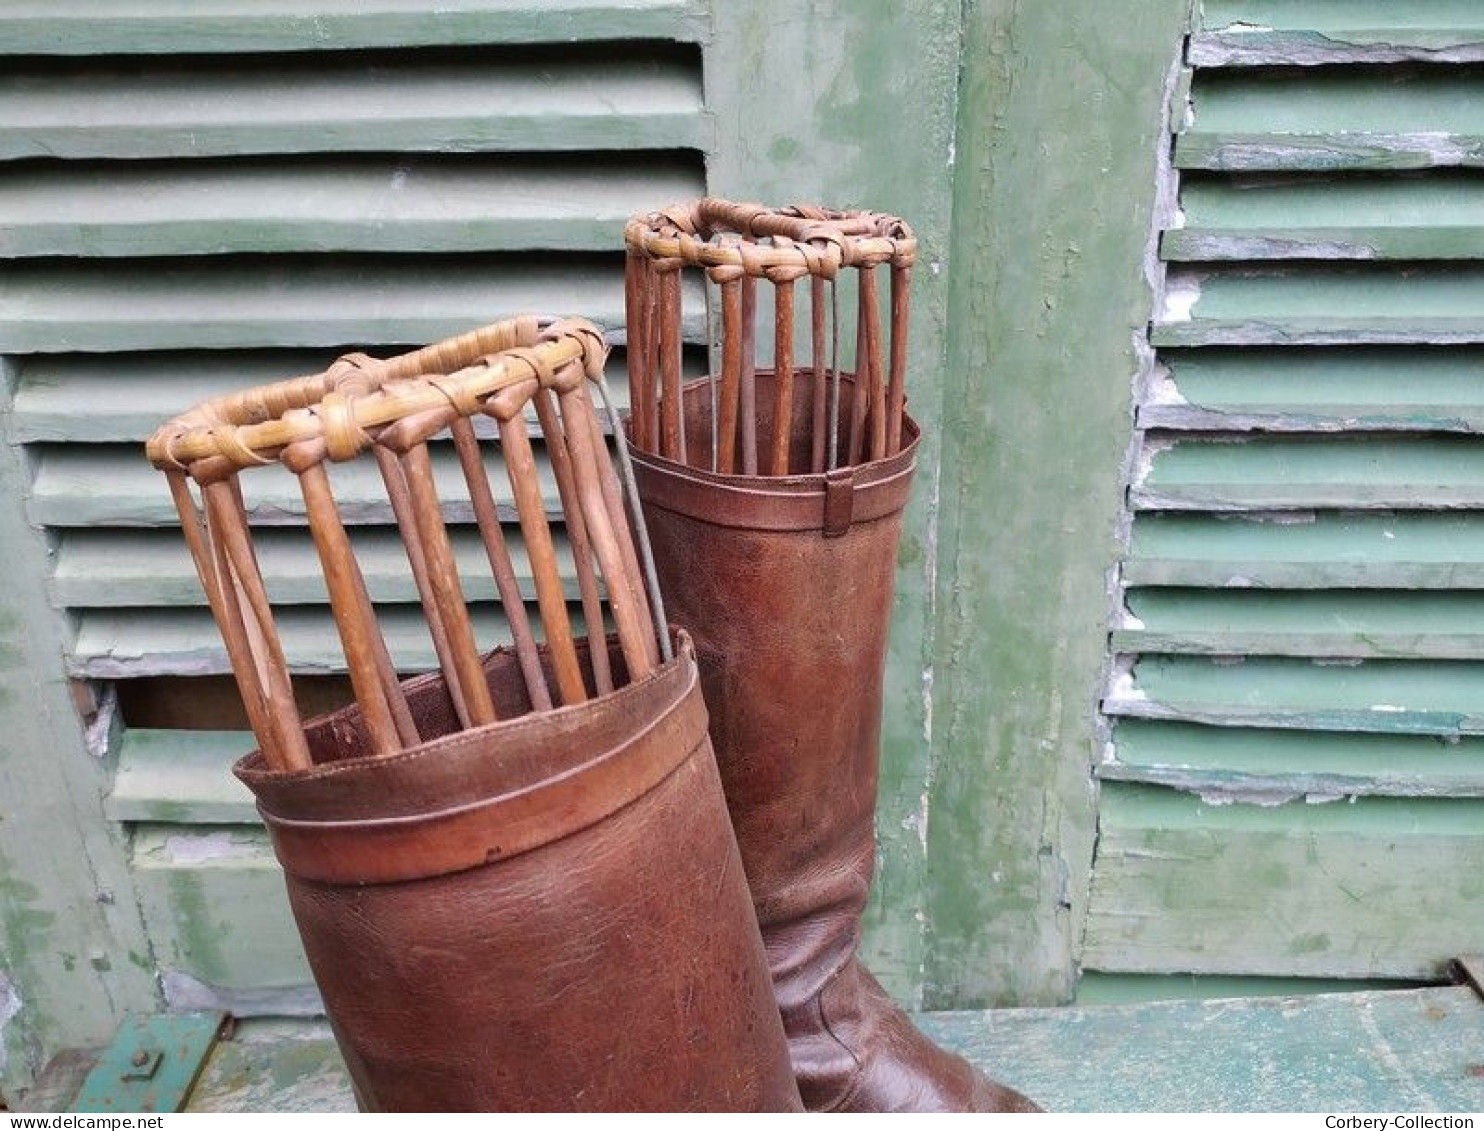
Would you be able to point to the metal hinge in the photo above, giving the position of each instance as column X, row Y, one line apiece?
column 152, row 1063
column 1469, row 969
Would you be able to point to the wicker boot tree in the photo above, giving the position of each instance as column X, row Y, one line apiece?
column 513, row 877
column 774, row 500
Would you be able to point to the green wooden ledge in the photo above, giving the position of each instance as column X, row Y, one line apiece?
column 1392, row 1050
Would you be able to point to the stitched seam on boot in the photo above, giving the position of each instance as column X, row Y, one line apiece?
column 853, row 1087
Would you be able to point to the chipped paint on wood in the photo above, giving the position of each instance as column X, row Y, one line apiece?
column 1328, row 890
column 1048, row 284
column 69, row 923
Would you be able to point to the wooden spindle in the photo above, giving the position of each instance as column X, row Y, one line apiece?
column 635, row 633
column 448, row 593
column 354, row 619
column 875, row 385
column 492, row 534
column 748, row 392
column 731, row 374
column 897, row 390
column 783, row 373
column 520, row 464
column 558, row 452
column 641, row 377
column 404, row 511
column 228, row 620
column 238, row 570
column 672, row 439
column 820, row 408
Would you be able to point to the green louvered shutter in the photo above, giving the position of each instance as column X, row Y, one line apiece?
column 202, row 196
column 1294, row 780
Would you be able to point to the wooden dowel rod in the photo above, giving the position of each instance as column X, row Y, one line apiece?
column 731, row 374
column 897, row 390
column 820, row 418
column 672, row 439
column 618, row 517
column 402, row 507
column 636, row 315
column 558, row 452
column 859, row 390
column 875, row 385
column 520, row 464
column 634, row 628
column 783, row 374
column 228, row 620
column 492, row 534
column 227, row 522
column 749, row 375
column 355, row 622
column 448, row 593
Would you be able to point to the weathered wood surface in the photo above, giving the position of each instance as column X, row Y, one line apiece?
column 1331, row 624
column 1428, row 697
column 1249, row 762
column 123, row 643
column 181, row 777
column 1263, row 884
column 114, row 568
column 113, row 485
column 219, row 922
column 1221, row 473
column 1047, row 282
column 63, row 306
column 165, row 27
column 399, row 203
column 1307, row 33
column 1412, row 1051
column 1309, row 550
column 73, row 949
column 500, row 98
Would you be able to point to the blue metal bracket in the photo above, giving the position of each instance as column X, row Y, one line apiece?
column 151, row 1064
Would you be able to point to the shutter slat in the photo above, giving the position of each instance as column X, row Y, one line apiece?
column 261, row 302
column 110, row 485
column 353, row 204
column 1308, row 551
column 214, row 905
column 1226, row 474
column 541, row 99
column 1253, row 33
column 161, row 27
column 1397, row 389
column 117, row 398
column 1257, row 306
column 1333, row 119
column 109, row 569
column 1276, row 764
column 1436, row 697
column 123, row 643
column 181, row 777
column 1329, row 625
column 1365, row 217
column 1383, row 887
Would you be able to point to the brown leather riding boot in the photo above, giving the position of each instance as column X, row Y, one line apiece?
column 785, row 584
column 543, row 914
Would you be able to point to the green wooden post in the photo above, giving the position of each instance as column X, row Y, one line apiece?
column 1059, row 134
column 851, row 104
column 73, row 953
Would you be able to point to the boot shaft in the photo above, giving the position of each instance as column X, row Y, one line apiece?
column 545, row 914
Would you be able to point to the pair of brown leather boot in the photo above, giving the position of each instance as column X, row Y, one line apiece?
column 785, row 585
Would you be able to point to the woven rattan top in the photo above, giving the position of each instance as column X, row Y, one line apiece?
column 344, row 409
column 728, row 239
